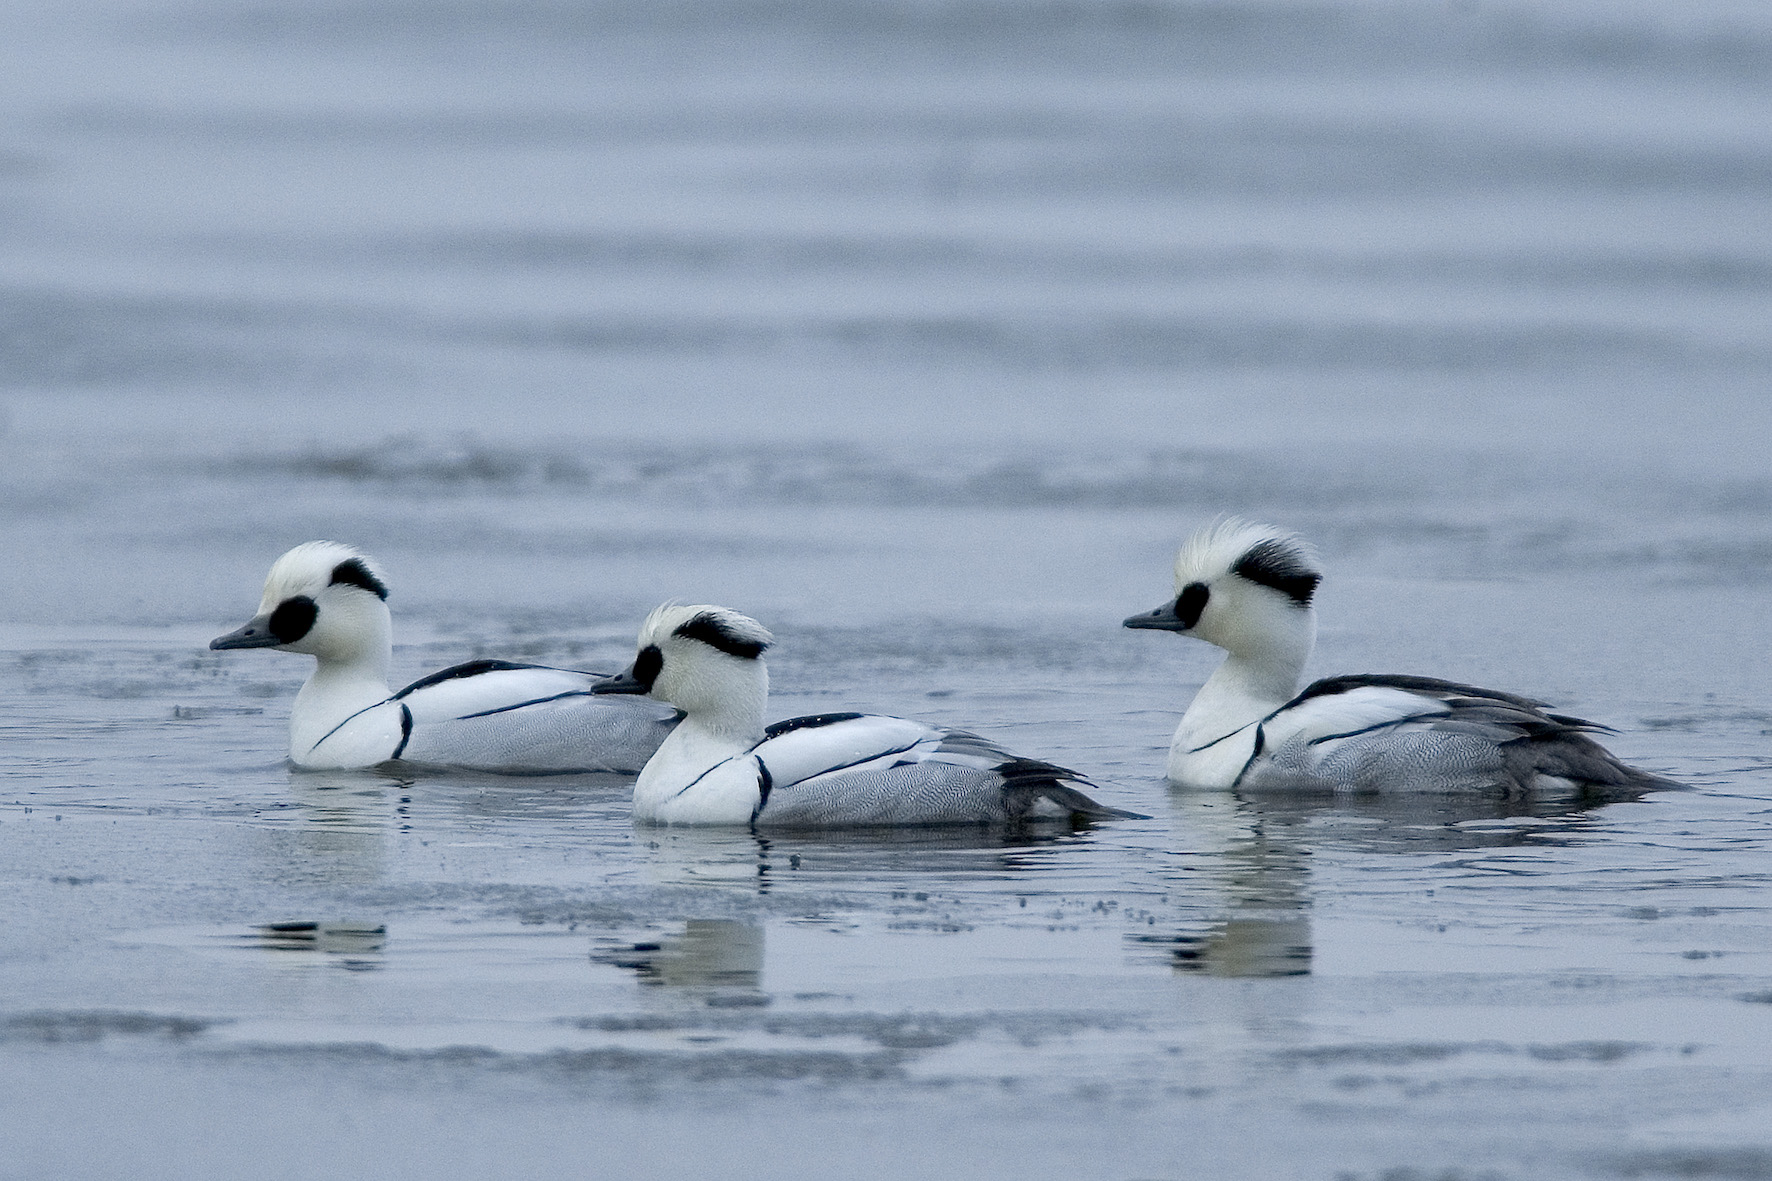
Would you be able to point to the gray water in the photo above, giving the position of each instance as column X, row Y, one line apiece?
column 922, row 331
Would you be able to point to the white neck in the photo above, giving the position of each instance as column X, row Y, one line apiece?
column 1216, row 738
column 723, row 718
column 344, row 681
column 331, row 677
column 1244, row 689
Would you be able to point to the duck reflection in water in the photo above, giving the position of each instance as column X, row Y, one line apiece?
column 707, row 953
column 1261, row 888
column 1256, row 851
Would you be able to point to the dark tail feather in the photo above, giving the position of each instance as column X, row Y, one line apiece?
column 1576, row 757
column 1027, row 780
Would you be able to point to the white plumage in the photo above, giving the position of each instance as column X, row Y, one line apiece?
column 329, row 601
column 1249, row 589
column 723, row 766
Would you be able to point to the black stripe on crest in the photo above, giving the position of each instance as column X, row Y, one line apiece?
column 1279, row 564
column 716, row 633
column 356, row 572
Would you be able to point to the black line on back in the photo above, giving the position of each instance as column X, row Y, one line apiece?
column 505, row 709
column 879, row 754
column 1376, row 726
column 356, row 572
column 1329, row 686
column 809, row 722
column 472, row 668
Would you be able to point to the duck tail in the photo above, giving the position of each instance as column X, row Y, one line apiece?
column 1026, row 781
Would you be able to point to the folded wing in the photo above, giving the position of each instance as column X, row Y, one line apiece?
column 496, row 715
column 1376, row 733
column 839, row 770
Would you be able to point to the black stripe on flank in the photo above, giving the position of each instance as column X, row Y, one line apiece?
column 293, row 619
column 405, row 731
column 1279, row 564
column 1260, row 745
column 809, row 722
column 472, row 668
column 356, row 572
column 1376, row 726
column 714, row 632
column 765, row 784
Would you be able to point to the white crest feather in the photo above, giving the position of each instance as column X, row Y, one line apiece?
column 1215, row 550
column 307, row 569
column 720, row 627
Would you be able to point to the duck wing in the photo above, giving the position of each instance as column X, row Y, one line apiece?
column 1377, row 732
column 852, row 770
column 524, row 718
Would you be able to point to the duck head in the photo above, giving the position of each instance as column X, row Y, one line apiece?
column 1245, row 587
column 705, row 660
column 323, row 599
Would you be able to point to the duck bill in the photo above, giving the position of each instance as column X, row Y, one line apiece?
column 624, row 682
column 254, row 633
column 1163, row 619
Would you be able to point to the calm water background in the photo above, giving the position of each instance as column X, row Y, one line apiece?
column 923, row 331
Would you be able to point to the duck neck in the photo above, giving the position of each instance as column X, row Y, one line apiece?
column 347, row 679
column 724, row 721
column 1248, row 686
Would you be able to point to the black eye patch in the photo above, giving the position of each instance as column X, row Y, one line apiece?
column 356, row 572
column 647, row 665
column 1190, row 602
column 292, row 619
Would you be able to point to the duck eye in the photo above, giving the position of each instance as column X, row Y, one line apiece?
column 1191, row 602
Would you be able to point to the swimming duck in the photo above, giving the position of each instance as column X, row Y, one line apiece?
column 722, row 765
column 329, row 601
column 1248, row 589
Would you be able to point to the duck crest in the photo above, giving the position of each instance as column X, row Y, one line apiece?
column 720, row 628
column 315, row 565
column 727, row 631
column 1262, row 554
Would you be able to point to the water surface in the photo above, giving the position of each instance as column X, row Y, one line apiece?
column 923, row 332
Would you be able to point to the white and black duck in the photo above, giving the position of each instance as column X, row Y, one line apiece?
column 723, row 766
column 1248, row 589
column 329, row 601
